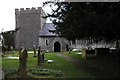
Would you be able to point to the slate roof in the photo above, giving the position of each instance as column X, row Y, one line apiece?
column 47, row 30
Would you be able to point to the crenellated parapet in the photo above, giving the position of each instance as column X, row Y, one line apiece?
column 35, row 10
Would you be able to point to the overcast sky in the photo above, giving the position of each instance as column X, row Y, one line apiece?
column 7, row 11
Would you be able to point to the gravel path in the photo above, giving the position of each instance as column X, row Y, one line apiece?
column 84, row 67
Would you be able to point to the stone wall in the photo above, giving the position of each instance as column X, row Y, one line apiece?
column 42, row 42
column 80, row 44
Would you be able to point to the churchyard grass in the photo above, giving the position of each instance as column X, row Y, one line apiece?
column 106, row 63
column 59, row 68
column 74, row 54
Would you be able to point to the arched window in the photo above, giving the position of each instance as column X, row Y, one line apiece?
column 46, row 42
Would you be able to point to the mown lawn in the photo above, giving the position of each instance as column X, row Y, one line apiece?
column 59, row 68
column 74, row 54
column 105, row 63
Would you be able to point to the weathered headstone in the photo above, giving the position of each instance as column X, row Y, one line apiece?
column 22, row 70
column 84, row 54
column 39, row 56
column 43, row 57
column 117, row 46
column 34, row 52
column 20, row 51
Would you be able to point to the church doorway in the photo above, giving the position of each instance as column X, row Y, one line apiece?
column 57, row 47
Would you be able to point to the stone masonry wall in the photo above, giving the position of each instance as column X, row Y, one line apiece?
column 29, row 21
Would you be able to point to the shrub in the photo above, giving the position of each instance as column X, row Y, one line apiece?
column 45, row 72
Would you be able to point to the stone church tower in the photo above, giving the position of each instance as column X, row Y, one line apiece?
column 29, row 22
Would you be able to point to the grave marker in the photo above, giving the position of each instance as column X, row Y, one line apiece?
column 43, row 57
column 34, row 52
column 22, row 70
column 84, row 54
column 39, row 56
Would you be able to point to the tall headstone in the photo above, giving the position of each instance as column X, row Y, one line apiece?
column 43, row 57
column 117, row 46
column 34, row 52
column 20, row 51
column 39, row 56
column 22, row 70
column 84, row 56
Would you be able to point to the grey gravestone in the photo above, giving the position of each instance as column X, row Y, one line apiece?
column 34, row 52
column 39, row 56
column 22, row 70
column 43, row 57
column 20, row 51
column 117, row 46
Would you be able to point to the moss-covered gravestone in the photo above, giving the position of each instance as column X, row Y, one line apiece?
column 84, row 56
column 22, row 70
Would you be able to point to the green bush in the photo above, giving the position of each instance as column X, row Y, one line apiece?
column 45, row 72
column 9, row 71
column 34, row 72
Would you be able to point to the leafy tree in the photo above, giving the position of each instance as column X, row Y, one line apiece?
column 9, row 40
column 85, row 20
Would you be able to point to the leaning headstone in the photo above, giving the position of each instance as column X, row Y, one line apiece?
column 22, row 70
column 34, row 52
column 39, row 56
